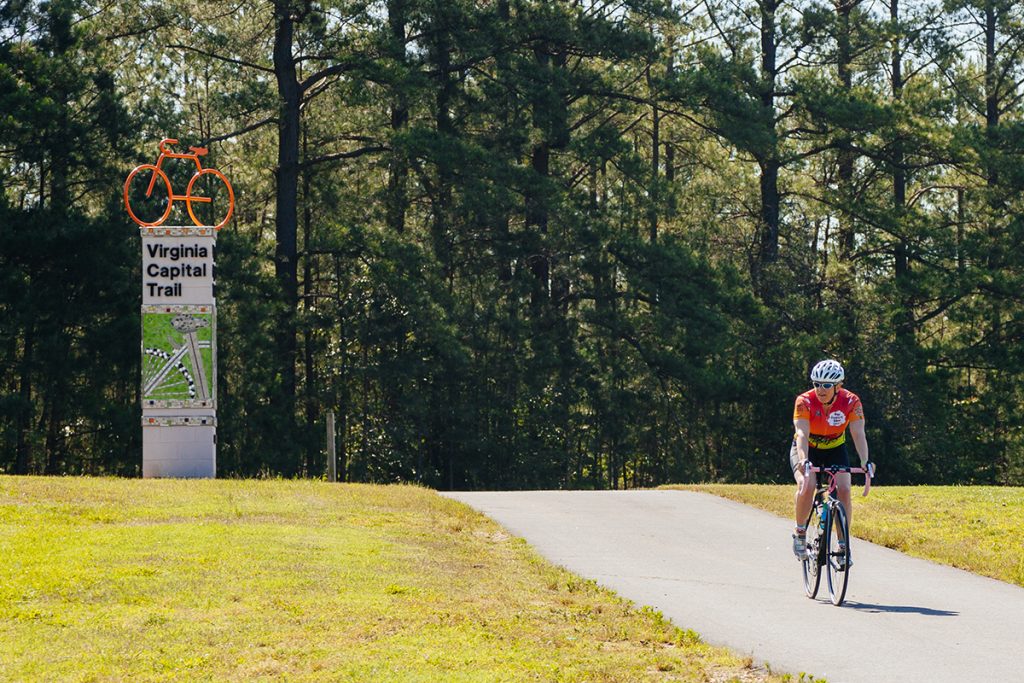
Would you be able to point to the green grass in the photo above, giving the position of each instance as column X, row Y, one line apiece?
column 150, row 580
column 977, row 528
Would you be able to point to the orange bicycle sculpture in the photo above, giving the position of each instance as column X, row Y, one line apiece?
column 191, row 196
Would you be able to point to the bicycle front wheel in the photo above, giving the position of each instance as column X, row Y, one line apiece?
column 837, row 559
column 210, row 190
column 147, row 195
column 812, row 556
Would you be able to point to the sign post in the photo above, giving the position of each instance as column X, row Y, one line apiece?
column 179, row 317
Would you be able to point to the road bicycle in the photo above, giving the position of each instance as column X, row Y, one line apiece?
column 828, row 534
column 204, row 179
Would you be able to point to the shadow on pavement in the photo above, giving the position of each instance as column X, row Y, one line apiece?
column 900, row 609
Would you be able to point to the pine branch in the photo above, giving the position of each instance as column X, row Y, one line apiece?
column 240, row 131
column 340, row 156
column 222, row 58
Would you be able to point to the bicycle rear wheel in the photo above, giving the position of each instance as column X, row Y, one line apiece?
column 812, row 556
column 837, row 558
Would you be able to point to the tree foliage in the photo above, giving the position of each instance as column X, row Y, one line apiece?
column 528, row 243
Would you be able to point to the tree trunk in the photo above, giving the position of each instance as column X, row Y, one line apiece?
column 905, row 407
column 537, row 223
column 22, row 448
column 905, row 331
column 847, row 157
column 899, row 176
column 845, row 286
column 991, row 81
column 398, row 164
column 549, row 117
column 769, row 162
column 62, row 35
column 442, row 201
column 652, row 198
column 54, row 436
column 286, row 252
column 311, row 385
column 53, row 412
column 995, row 211
column 769, row 210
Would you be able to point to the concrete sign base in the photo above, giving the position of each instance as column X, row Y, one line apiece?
column 179, row 451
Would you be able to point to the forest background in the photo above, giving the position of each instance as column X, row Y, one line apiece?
column 528, row 244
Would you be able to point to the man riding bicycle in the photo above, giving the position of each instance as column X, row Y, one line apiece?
column 820, row 418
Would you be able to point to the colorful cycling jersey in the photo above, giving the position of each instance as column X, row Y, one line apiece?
column 828, row 425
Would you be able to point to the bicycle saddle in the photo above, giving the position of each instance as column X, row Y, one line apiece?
column 200, row 151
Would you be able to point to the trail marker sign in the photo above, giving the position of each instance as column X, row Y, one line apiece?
column 179, row 315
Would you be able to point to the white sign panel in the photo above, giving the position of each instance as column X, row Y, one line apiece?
column 177, row 269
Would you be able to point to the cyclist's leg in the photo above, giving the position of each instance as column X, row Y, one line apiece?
column 843, row 491
column 804, row 497
column 803, row 501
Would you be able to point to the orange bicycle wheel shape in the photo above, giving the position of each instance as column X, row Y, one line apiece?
column 152, row 198
column 215, row 189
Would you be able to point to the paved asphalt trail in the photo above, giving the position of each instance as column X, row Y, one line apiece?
column 727, row 571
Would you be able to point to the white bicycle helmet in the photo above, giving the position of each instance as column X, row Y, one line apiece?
column 828, row 371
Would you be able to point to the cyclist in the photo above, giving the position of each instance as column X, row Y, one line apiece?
column 820, row 418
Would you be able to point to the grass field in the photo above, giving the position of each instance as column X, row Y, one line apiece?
column 977, row 528
column 160, row 580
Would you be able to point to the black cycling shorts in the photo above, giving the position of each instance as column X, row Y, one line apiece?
column 820, row 457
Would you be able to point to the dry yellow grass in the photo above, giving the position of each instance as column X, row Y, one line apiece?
column 130, row 580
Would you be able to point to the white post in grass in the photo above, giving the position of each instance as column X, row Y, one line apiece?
column 332, row 461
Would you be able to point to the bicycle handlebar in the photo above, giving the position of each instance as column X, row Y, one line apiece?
column 166, row 141
column 832, row 470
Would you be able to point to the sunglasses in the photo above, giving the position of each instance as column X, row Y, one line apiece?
column 823, row 385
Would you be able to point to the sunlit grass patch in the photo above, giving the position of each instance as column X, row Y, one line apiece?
column 977, row 528
column 106, row 579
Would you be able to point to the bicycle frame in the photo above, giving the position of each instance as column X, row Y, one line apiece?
column 168, row 154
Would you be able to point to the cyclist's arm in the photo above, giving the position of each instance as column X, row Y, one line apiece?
column 802, row 427
column 860, row 441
